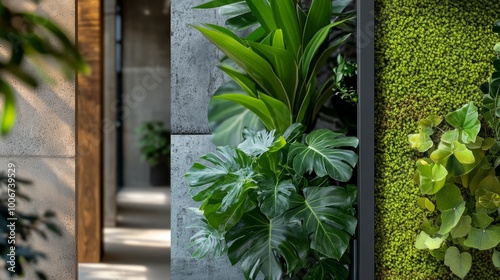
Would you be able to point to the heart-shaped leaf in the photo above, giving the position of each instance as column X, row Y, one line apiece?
column 462, row 228
column 482, row 220
column 432, row 176
column 324, row 211
column 450, row 136
column 450, row 202
column 466, row 121
column 463, row 155
column 321, row 155
column 420, row 141
column 489, row 201
column 459, row 263
column 483, row 239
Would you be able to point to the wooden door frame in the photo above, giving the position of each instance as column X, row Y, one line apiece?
column 89, row 119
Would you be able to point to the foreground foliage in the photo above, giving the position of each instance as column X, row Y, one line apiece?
column 278, row 203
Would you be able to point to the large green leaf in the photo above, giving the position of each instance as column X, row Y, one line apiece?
column 490, row 201
column 224, row 185
column 227, row 119
column 432, row 176
column 325, row 213
column 450, row 202
column 320, row 154
column 274, row 195
column 261, row 142
column 459, row 263
column 208, row 241
column 425, row 241
column 285, row 13
column 262, row 11
column 282, row 116
column 260, row 243
column 421, row 142
column 253, row 64
column 483, row 239
column 462, row 228
column 466, row 121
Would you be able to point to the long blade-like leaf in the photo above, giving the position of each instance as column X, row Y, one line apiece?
column 9, row 108
column 319, row 15
column 285, row 12
column 255, row 105
column 262, row 11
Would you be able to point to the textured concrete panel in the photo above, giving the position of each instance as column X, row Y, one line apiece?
column 186, row 150
column 195, row 76
column 46, row 117
column 53, row 188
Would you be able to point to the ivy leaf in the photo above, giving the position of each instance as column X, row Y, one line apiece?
column 274, row 196
column 321, row 156
column 450, row 202
column 466, row 121
column 488, row 143
column 462, row 228
column 325, row 214
column 420, row 142
column 260, row 243
column 463, row 155
column 496, row 259
column 432, row 176
column 459, row 263
column 450, row 136
column 483, row 239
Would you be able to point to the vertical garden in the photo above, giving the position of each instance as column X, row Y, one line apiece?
column 431, row 58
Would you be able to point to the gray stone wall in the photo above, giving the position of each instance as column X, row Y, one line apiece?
column 42, row 146
column 195, row 78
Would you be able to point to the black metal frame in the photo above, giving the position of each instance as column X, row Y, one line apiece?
column 365, row 267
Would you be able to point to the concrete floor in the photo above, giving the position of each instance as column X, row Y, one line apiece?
column 139, row 247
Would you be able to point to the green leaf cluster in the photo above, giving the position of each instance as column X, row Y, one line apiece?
column 154, row 142
column 459, row 176
column 31, row 39
column 278, row 203
column 275, row 64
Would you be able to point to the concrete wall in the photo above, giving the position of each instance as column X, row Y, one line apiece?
column 42, row 146
column 146, row 77
column 195, row 78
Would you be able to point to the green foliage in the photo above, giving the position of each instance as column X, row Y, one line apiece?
column 277, row 64
column 34, row 39
column 27, row 225
column 430, row 56
column 154, row 142
column 277, row 204
column 457, row 174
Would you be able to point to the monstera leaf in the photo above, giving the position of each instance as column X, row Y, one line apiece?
column 260, row 243
column 274, row 195
column 228, row 119
column 223, row 185
column 466, row 121
column 323, row 211
column 320, row 155
column 260, row 142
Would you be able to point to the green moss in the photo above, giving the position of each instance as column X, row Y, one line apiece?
column 431, row 57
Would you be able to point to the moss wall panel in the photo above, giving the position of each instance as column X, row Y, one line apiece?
column 431, row 57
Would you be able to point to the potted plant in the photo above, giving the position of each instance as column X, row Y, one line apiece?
column 459, row 180
column 154, row 145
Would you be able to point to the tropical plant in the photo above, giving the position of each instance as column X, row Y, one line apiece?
column 33, row 40
column 278, row 203
column 344, row 79
column 275, row 67
column 154, row 141
column 26, row 225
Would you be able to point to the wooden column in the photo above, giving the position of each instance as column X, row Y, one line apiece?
column 89, row 133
